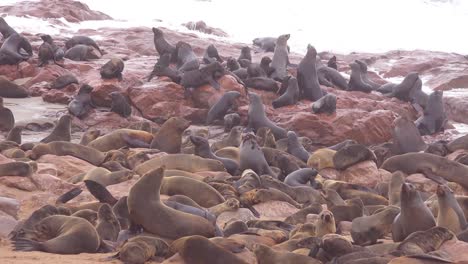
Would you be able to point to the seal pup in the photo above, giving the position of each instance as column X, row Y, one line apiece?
column 82, row 40
column 230, row 121
column 295, row 148
column 307, row 76
column 141, row 249
column 403, row 90
column 15, row 134
column 61, row 132
column 112, row 69
column 233, row 139
column 211, row 55
column 368, row 229
column 290, row 97
column 144, row 206
column 266, row 255
column 364, row 76
column 332, row 63
column 10, row 50
column 7, row 119
column 202, row 149
column 81, row 53
column 245, row 55
column 406, row 137
column 5, row 29
column 352, row 154
column 63, row 81
column 81, row 103
column 257, row 117
column 414, row 215
column 252, row 157
column 162, row 46
column 326, row 104
column 186, row 58
column 355, row 82
column 222, row 106
column 120, row 104
column 108, row 226
column 89, row 135
column 330, row 77
column 47, row 51
column 197, row 77
column 58, row 52
column 434, row 117
column 169, row 136
column 280, row 59
column 450, row 215
column 260, row 70
column 61, row 235
column 162, row 68
column 301, row 177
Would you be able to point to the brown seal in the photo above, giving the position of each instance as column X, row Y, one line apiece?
column 257, row 117
column 108, row 227
column 15, row 134
column 414, row 215
column 290, row 97
column 325, row 224
column 301, row 216
column 184, row 162
column 5, row 29
column 257, row 196
column 112, row 69
column 233, row 139
column 63, row 81
column 121, row 138
column 89, row 135
column 434, row 117
column 120, row 104
column 81, row 103
column 88, row 214
column 307, row 76
column 7, row 120
column 10, row 50
column 352, row 154
column 252, row 157
column 406, row 137
column 106, row 177
column 356, row 83
column 140, row 249
column 230, row 121
column 265, row 137
column 162, row 46
column 222, row 106
column 61, row 132
column 266, row 255
column 422, row 242
column 60, row 148
column 61, row 234
column 332, row 63
column 326, row 104
column 82, row 40
column 16, row 168
column 394, row 188
column 11, row 89
column 81, row 53
column 280, row 59
column 368, row 229
column 450, row 214
column 144, row 206
column 321, row 159
column 169, row 136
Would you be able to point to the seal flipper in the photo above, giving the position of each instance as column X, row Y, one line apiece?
column 134, row 143
column 22, row 244
column 431, row 175
column 100, row 192
column 68, row 195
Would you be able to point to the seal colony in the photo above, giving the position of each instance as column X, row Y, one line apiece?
column 189, row 197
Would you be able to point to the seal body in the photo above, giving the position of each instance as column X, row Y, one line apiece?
column 280, row 59
column 220, row 108
column 186, row 58
column 326, row 104
column 290, row 97
column 202, row 149
column 63, row 81
column 211, row 55
column 10, row 50
column 406, row 137
column 81, row 53
column 81, row 40
column 258, row 119
column 7, row 120
column 295, row 148
column 355, row 82
column 434, row 117
column 450, row 214
column 112, row 69
column 169, row 136
column 81, row 104
column 61, row 132
column 162, row 46
column 252, row 157
column 307, row 76
column 120, row 104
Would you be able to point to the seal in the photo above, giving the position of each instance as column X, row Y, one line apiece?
column 47, row 51
column 7, row 119
column 307, row 76
column 10, row 50
column 202, row 193
column 186, row 58
column 268, row 44
column 368, row 229
column 82, row 40
column 245, row 55
column 355, row 81
column 332, row 63
column 195, row 78
column 262, row 83
column 199, row 249
column 432, row 166
column 252, row 157
column 257, row 117
column 234, row 227
column 402, row 91
column 16, row 168
column 15, row 134
column 325, row 224
column 352, row 154
column 394, row 188
column 61, row 132
column 280, row 59
column 61, row 148
column 290, row 97
column 61, row 235
column 144, row 206
column 81, row 103
column 233, row 139
column 266, row 255
column 222, row 106
column 406, row 137
column 57, row 52
column 81, row 53
column 301, row 216
column 230, row 121
column 112, row 69
column 295, row 148
column 265, row 137
column 301, row 177
column 120, row 104
column 434, row 117
column 121, row 138
column 63, row 81
column 90, row 215
column 364, row 77
column 5, row 29
column 162, row 68
column 423, row 241
column 108, row 227
column 184, row 162
column 260, row 70
column 11, row 89
column 211, row 55
column 450, row 214
column 141, row 249
column 202, row 149
column 414, row 215
column 326, row 104
column 162, row 46
column 89, row 135
column 169, row 136
column 106, row 177
column 330, row 77
column 458, row 143
column 257, row 196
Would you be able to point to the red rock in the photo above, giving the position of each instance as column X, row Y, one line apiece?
column 107, row 121
column 51, row 184
column 363, row 173
column 202, row 27
column 275, row 210
column 9, row 206
column 67, row 166
column 102, row 89
column 72, row 11
column 456, row 109
column 47, row 74
column 57, row 96
column 243, row 214
column 20, row 183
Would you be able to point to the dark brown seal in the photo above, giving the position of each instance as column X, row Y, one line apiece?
column 81, row 103
column 162, row 46
column 169, row 136
column 11, row 89
column 252, row 157
column 257, row 117
column 355, row 81
column 108, row 227
column 81, row 53
column 406, row 137
column 307, row 76
column 82, row 40
column 120, row 104
column 63, row 81
column 61, row 132
column 141, row 249
column 112, row 69
column 222, row 106
column 7, row 119
column 280, row 59
column 326, row 104
column 10, row 50
column 434, row 117
column 290, row 97
column 15, row 134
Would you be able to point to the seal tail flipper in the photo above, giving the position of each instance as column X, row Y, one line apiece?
column 68, row 195
column 134, row 143
column 100, row 192
column 26, row 245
